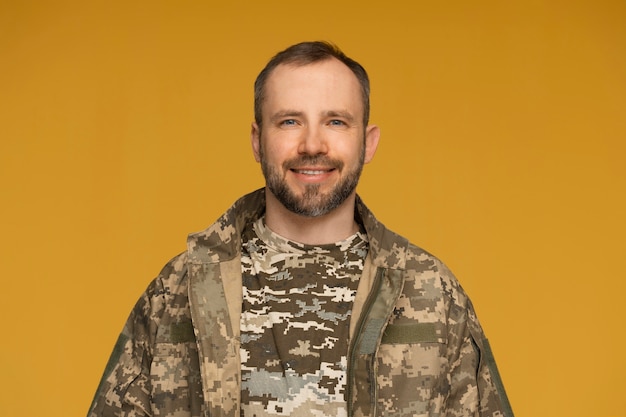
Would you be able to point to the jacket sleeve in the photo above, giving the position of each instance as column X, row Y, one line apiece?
column 124, row 389
column 474, row 380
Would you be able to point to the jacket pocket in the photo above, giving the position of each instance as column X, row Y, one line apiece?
column 175, row 378
column 411, row 377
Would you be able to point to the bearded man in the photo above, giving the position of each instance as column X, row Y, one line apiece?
column 297, row 301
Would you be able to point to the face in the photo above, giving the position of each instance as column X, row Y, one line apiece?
column 313, row 144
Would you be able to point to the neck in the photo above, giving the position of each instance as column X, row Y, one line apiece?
column 332, row 227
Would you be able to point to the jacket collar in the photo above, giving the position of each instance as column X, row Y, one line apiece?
column 221, row 241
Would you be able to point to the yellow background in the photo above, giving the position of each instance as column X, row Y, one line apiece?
column 124, row 126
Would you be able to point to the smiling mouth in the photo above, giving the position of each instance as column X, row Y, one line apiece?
column 312, row 166
column 312, row 171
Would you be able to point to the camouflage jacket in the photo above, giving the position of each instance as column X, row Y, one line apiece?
column 416, row 347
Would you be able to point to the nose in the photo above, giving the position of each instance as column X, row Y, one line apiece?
column 313, row 142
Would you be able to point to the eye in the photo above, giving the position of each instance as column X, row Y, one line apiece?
column 336, row 122
column 288, row 122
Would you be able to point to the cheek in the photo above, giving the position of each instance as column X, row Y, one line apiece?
column 351, row 155
column 277, row 151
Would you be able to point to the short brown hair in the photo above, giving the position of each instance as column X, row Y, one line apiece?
column 307, row 53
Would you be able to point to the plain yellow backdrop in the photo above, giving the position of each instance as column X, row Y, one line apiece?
column 124, row 125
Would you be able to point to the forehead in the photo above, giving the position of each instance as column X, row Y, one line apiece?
column 328, row 82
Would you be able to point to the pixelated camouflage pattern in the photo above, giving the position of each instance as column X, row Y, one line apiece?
column 417, row 348
column 297, row 303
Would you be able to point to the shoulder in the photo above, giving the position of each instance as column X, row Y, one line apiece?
column 171, row 283
column 423, row 267
column 431, row 289
column 171, row 277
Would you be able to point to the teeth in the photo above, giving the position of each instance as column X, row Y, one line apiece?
column 310, row 172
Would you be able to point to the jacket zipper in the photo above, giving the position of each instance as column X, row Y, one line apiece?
column 359, row 330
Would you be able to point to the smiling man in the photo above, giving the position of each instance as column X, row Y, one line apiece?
column 312, row 141
column 297, row 301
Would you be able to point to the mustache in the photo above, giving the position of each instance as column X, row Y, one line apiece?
column 322, row 161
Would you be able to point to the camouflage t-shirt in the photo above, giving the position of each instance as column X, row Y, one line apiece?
column 297, row 302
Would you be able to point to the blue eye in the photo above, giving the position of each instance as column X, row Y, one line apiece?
column 336, row 122
column 288, row 122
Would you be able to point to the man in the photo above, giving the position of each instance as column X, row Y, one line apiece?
column 297, row 301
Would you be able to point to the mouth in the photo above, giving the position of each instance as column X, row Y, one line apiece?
column 313, row 170
column 312, row 175
column 308, row 171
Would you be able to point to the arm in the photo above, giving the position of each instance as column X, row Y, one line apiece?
column 125, row 388
column 475, row 382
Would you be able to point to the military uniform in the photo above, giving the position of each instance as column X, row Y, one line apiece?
column 415, row 346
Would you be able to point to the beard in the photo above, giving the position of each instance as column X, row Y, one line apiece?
column 312, row 202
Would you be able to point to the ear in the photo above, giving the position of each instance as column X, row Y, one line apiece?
column 255, row 140
column 372, row 136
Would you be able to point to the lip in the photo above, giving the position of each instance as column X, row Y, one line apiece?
column 312, row 174
column 312, row 171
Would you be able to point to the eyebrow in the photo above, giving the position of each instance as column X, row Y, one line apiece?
column 343, row 114
column 285, row 113
column 295, row 113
